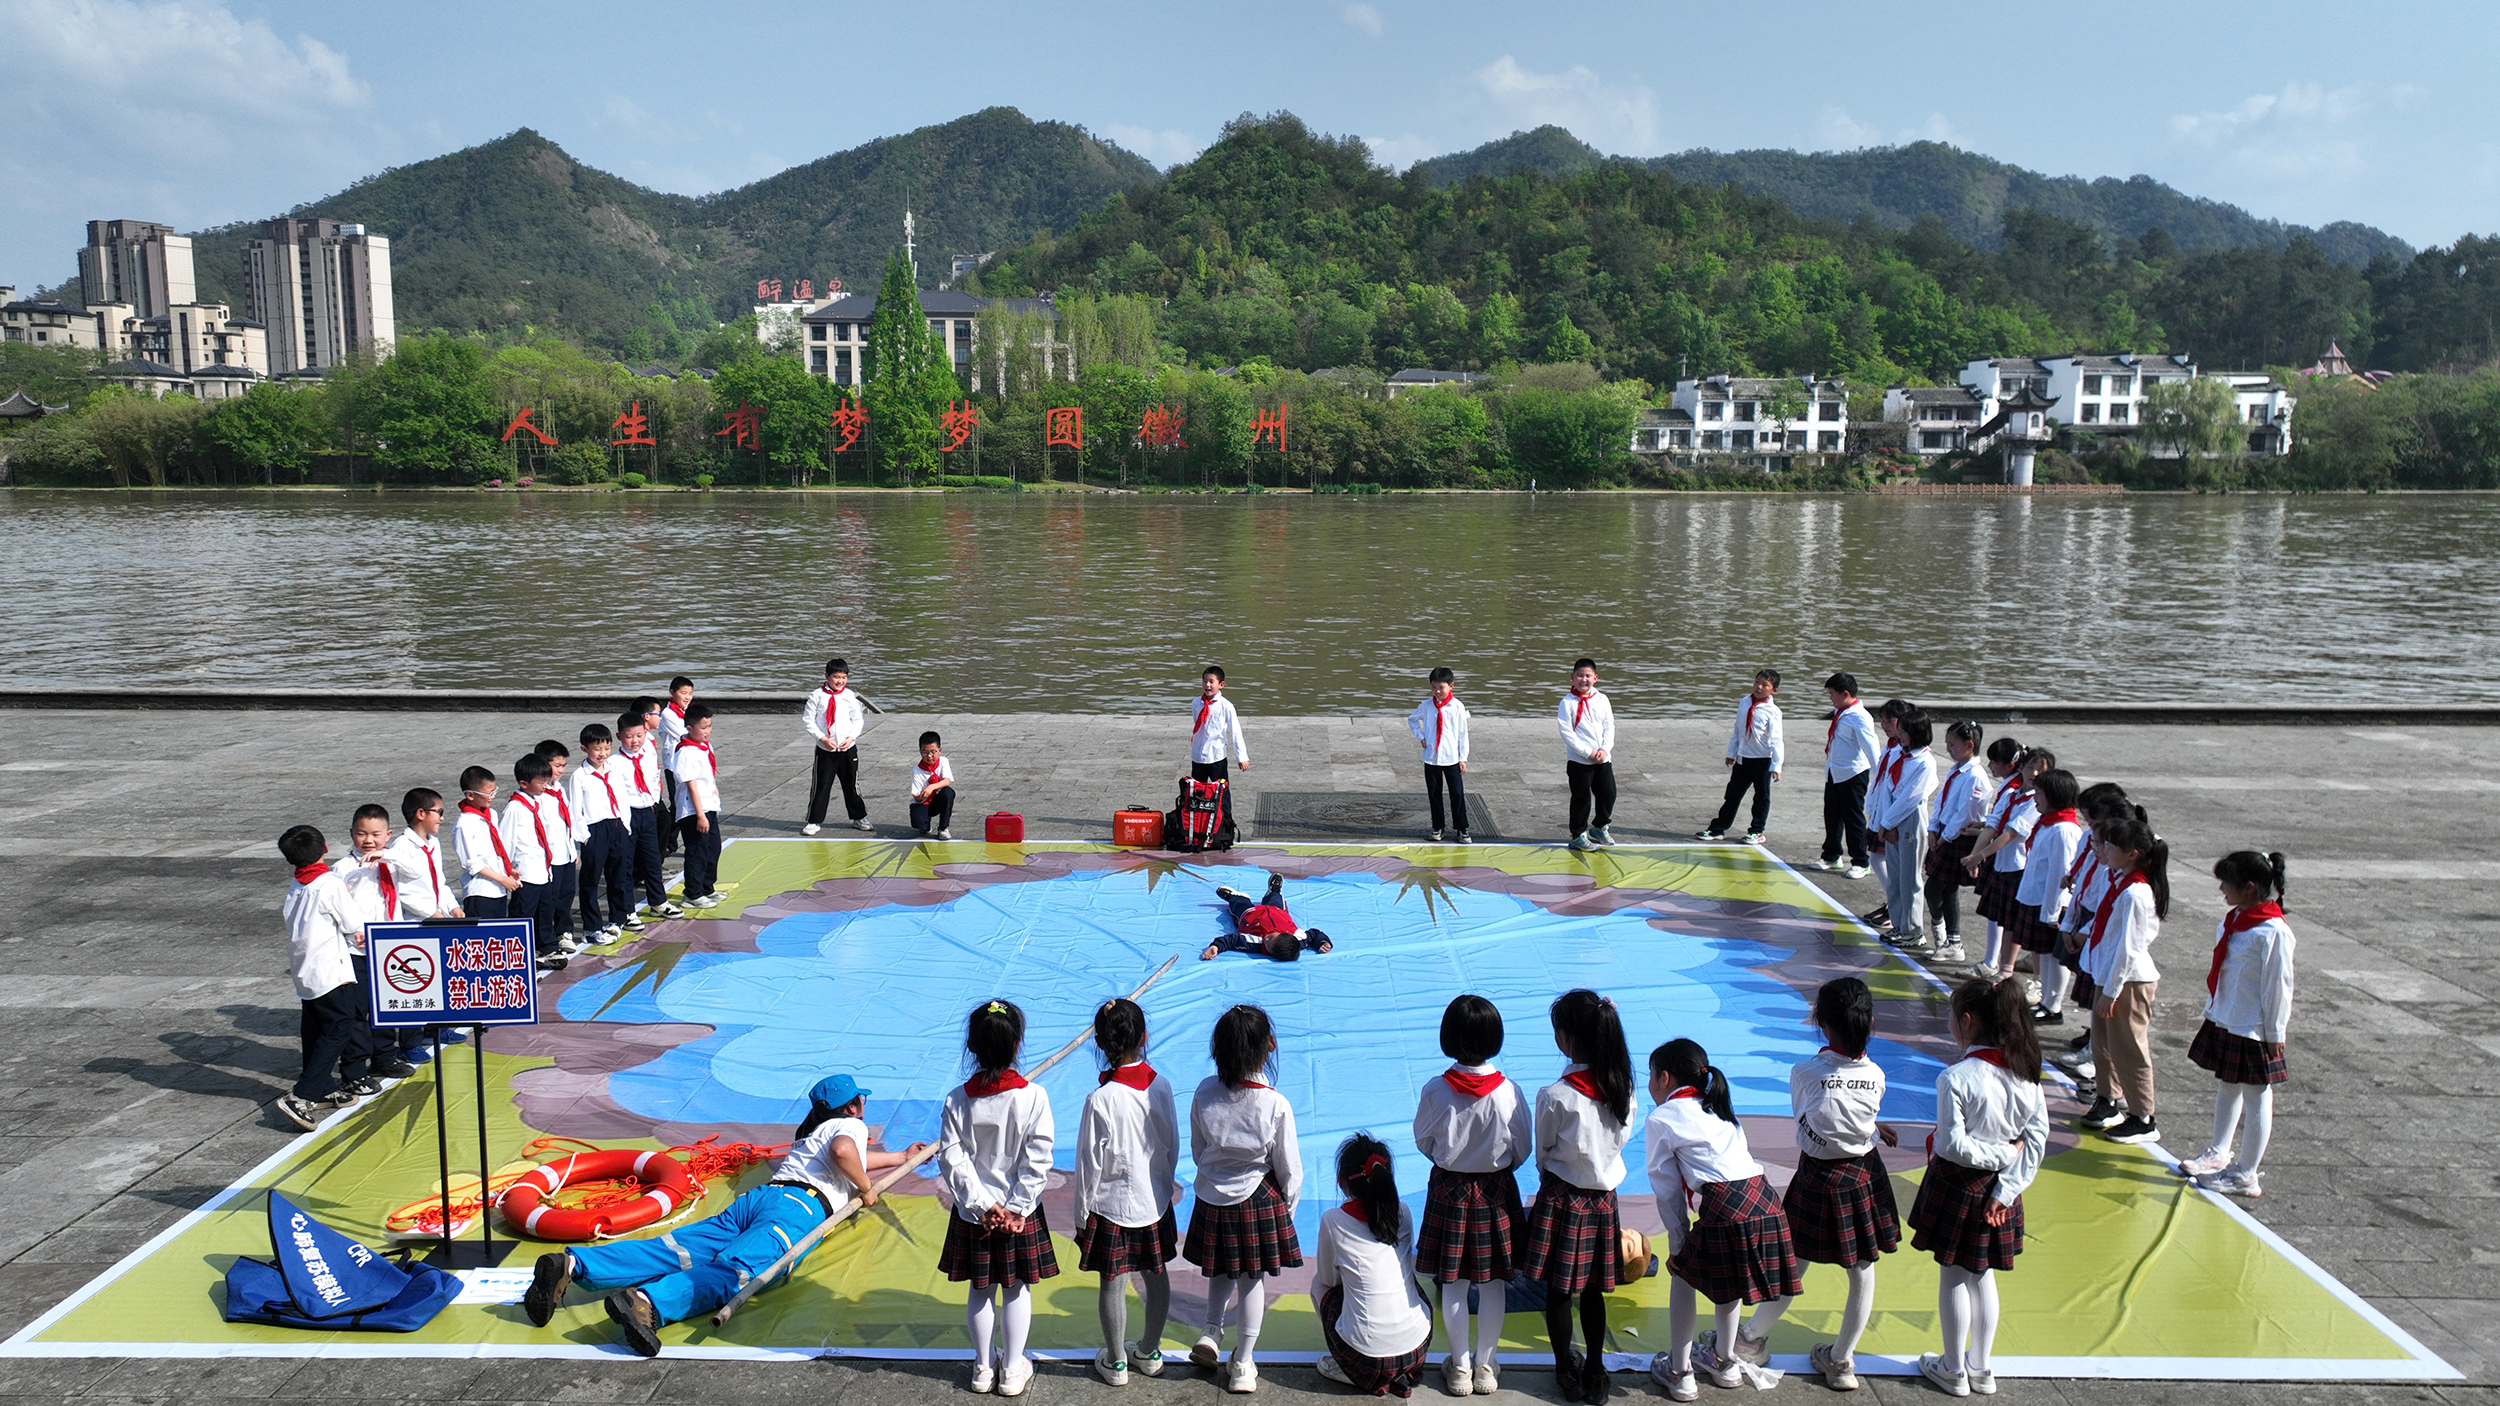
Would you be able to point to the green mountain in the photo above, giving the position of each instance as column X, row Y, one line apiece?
column 515, row 237
column 1896, row 187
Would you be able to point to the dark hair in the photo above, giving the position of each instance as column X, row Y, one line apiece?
column 1845, row 1008
column 1119, row 1031
column 837, row 665
column 681, row 681
column 473, row 777
column 626, row 721
column 531, row 767
column 1214, row 671
column 1843, row 682
column 2001, row 1017
column 646, row 704
column 2056, row 789
column 1444, row 674
column 2247, row 866
column 552, row 749
column 1240, row 1045
column 1283, row 946
column 1688, row 1064
column 596, row 732
column 302, row 845
column 369, row 811
column 2131, row 833
column 1917, row 732
column 1365, row 1171
column 2040, row 757
column 1968, row 733
column 1583, row 662
column 1592, row 1033
column 697, row 712
column 1895, row 709
column 818, row 1115
column 2005, row 751
column 929, row 738
column 994, row 1032
column 2102, row 798
column 418, row 799
column 1471, row 1029
column 1772, row 674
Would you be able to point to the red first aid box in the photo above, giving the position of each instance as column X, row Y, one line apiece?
column 1137, row 829
column 1004, row 827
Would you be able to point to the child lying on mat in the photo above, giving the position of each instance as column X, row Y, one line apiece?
column 1265, row 928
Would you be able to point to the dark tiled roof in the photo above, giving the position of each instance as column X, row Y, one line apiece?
column 1421, row 376
column 1667, row 416
column 246, row 322
column 1940, row 395
column 1763, row 387
column 139, row 366
column 43, row 305
column 859, row 307
column 22, row 406
column 215, row 371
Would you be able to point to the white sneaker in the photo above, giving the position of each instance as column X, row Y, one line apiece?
column 810, row 829
column 984, row 1378
column 1839, row 1373
column 1458, row 1376
column 2212, row 1159
column 1754, row 1350
column 2231, row 1181
column 1243, row 1379
column 1580, row 841
column 1728, row 1375
column 1600, row 836
column 1982, row 1383
column 1931, row 1365
column 1207, row 1352
column 612, row 932
column 946, row 834
column 1432, row 836
column 1753, row 837
column 1488, row 1377
column 1113, row 1370
column 1145, row 1363
column 1679, row 1386
column 1951, row 952
column 1329, row 1368
column 1821, row 865
column 569, row 944
column 1855, row 871
column 709, row 900
column 1015, row 1377
column 862, row 824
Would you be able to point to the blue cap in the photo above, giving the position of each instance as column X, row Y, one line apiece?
column 835, row 1090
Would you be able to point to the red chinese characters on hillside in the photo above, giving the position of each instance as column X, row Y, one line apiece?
column 848, row 419
column 958, row 422
column 744, row 423
column 636, row 428
column 768, row 290
column 1162, row 426
column 522, row 422
column 1270, row 427
column 1064, row 425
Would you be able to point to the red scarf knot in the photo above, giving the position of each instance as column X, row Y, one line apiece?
column 2055, row 817
column 2235, row 922
column 1471, row 1084
column 1579, row 1079
column 1205, row 706
column 984, row 1084
column 306, row 873
column 1137, row 1076
column 2109, row 903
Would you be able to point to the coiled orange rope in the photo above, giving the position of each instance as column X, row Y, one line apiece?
column 705, row 1160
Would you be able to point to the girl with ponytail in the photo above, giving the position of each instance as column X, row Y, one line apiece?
column 994, row 1154
column 1127, row 1143
column 1363, row 1277
column 2248, row 1010
column 2118, row 957
column 1996, row 858
column 1737, row 1251
column 1582, row 1122
column 1992, row 1130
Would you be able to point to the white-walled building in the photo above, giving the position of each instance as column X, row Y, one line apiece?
column 2265, row 407
column 138, row 262
column 320, row 289
column 2101, row 395
column 1735, row 415
column 1936, row 419
column 837, row 333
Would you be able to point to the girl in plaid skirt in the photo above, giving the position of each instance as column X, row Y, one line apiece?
column 1992, row 1130
column 1738, row 1251
column 1996, row 859
column 1241, row 1134
column 2049, row 853
column 1840, row 1206
column 1582, row 1122
column 994, row 1150
column 2248, row 1010
column 1473, row 1125
column 1363, row 1279
column 1127, row 1144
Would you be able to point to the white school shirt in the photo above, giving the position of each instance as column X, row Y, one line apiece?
column 365, row 902
column 640, row 776
column 2024, row 814
column 2090, row 883
column 1905, row 800
column 1852, row 745
column 597, row 793
column 1240, row 1137
column 810, row 1159
column 1219, row 736
column 473, row 839
column 849, row 719
column 1128, row 1142
column 1837, row 1101
column 1577, row 1138
column 1383, row 1314
column 2253, row 997
column 1764, row 736
column 922, row 780
column 1690, row 1147
column 995, row 1151
column 2044, row 869
column 2124, row 952
column 672, row 732
column 524, row 816
column 425, row 888
column 319, row 919
column 1990, row 1121
column 697, row 768
column 1586, row 729
column 1963, row 803
column 1491, row 1133
column 1451, row 748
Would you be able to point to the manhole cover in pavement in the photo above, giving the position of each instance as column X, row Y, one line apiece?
column 1359, row 815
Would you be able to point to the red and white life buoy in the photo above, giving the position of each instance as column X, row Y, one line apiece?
column 525, row 1205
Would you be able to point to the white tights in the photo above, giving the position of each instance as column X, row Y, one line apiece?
column 1967, row 1304
column 982, row 1319
column 2258, row 1100
column 1858, row 1311
column 1996, row 935
column 1252, row 1291
column 1492, row 1300
column 1683, row 1314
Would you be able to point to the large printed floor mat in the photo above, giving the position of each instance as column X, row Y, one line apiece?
column 866, row 956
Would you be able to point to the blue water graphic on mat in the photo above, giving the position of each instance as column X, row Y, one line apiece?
column 883, row 992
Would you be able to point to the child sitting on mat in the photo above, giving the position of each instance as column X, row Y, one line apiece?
column 1265, row 927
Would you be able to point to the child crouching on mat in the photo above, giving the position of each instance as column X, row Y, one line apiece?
column 994, row 1152
column 1363, row 1272
column 1241, row 1134
column 1840, row 1206
column 1474, row 1127
column 1992, row 1132
column 1737, row 1250
column 1127, row 1144
column 1582, row 1122
column 1264, row 927
column 2248, row 1011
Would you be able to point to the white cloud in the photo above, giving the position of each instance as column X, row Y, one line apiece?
column 1398, row 153
column 1163, row 148
column 1366, row 18
column 1836, row 130
column 2306, row 130
column 1614, row 117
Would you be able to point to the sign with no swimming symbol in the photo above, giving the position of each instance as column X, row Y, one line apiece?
column 459, row 972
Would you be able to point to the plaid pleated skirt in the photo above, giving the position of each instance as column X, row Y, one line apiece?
column 1113, row 1250
column 1472, row 1222
column 1944, row 864
column 1950, row 1219
column 1372, row 1376
column 1996, row 888
column 2235, row 1059
column 1573, row 1238
column 1841, row 1211
column 1739, row 1247
column 992, row 1257
column 1253, row 1237
column 2035, row 933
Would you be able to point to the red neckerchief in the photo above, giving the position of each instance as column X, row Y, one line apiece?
column 1985, row 1054
column 1205, row 706
column 1136, row 1076
column 684, row 742
column 1255, row 1084
column 832, row 698
column 984, row 1084
column 641, row 787
column 1437, row 712
column 545, row 850
column 306, row 873
column 390, row 885
column 2010, row 800
column 2074, row 871
column 932, row 767
column 433, row 873
column 1471, row 1084
column 2235, row 922
column 1583, row 710
column 1687, row 1091
column 2109, row 903
column 611, row 790
column 678, row 710
column 563, row 806
column 1746, row 727
column 1834, row 730
column 493, row 832
column 1579, row 1079
column 2055, row 817
column 1901, row 758
column 1355, row 1209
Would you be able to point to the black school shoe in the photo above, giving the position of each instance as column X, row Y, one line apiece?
column 2104, row 1113
column 2133, row 1129
column 547, row 1287
column 392, row 1068
column 631, row 1308
column 1595, row 1383
column 1569, row 1374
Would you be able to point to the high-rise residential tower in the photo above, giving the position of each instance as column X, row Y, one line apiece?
column 322, row 288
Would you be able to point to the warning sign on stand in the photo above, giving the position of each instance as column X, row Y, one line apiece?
column 455, row 973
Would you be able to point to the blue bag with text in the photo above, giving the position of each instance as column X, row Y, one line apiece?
column 317, row 1278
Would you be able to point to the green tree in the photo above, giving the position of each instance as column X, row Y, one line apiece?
column 266, row 432
column 1786, row 406
column 797, row 406
column 140, row 437
column 909, row 381
column 431, row 410
column 62, row 376
column 2197, row 418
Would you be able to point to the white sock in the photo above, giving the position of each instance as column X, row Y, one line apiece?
column 1016, row 1318
column 1991, row 953
column 1723, row 1318
column 1253, row 1313
column 1219, row 1294
column 1492, row 1302
column 2260, row 1100
column 1454, row 1317
column 1983, row 1319
column 1953, row 1310
column 2053, row 978
column 2227, row 1101
column 981, row 1321
column 1680, row 1316
column 1860, row 1308
column 1765, row 1317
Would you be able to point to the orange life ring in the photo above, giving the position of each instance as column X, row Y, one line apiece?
column 525, row 1207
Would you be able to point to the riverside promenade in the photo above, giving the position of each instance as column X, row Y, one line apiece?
column 150, row 1021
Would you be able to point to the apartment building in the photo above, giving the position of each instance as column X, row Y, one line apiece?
column 320, row 289
column 1740, row 414
column 138, row 262
column 836, row 345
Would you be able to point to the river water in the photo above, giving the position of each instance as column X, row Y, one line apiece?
column 985, row 603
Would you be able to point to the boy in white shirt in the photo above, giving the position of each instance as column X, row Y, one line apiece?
column 697, row 778
column 566, row 862
column 530, row 826
column 640, row 774
column 1850, row 746
column 425, row 887
column 932, row 790
column 373, row 896
column 835, row 720
column 337, row 1031
column 1215, row 740
column 1757, row 749
column 669, row 722
column 1439, row 725
column 1587, row 722
column 1901, row 823
column 599, row 820
column 487, row 879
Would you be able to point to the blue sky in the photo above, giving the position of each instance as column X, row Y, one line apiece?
column 203, row 111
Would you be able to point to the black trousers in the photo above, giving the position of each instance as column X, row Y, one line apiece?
column 405, row 1037
column 668, row 812
column 1219, row 770
column 702, row 854
column 833, row 766
column 1844, row 817
column 1591, row 782
column 643, row 837
column 935, row 813
column 338, row 1041
column 536, row 902
column 1749, row 772
column 563, row 881
column 492, row 905
column 1436, row 778
column 607, row 873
